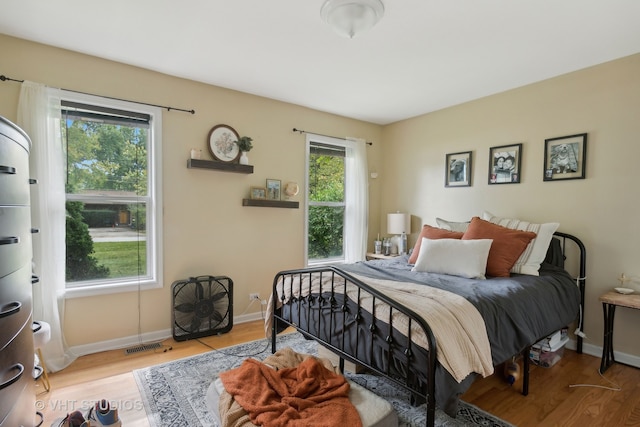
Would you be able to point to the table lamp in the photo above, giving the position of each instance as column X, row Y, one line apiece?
column 399, row 224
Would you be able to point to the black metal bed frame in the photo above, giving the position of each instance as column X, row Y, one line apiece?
column 334, row 298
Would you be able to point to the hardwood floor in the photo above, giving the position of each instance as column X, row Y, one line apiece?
column 568, row 394
column 109, row 375
column 552, row 401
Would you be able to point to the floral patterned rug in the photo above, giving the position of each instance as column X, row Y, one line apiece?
column 174, row 392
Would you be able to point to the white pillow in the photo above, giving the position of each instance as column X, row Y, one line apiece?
column 535, row 252
column 465, row 258
column 452, row 225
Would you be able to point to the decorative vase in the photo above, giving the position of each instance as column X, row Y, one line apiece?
column 244, row 159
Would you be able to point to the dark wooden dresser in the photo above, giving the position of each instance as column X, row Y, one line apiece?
column 17, row 387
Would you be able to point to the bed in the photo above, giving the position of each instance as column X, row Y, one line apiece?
column 374, row 314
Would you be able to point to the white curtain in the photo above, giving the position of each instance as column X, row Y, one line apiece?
column 357, row 200
column 39, row 117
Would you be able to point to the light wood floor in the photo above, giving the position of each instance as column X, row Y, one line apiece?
column 551, row 401
column 109, row 375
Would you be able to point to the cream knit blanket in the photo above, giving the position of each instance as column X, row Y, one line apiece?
column 460, row 332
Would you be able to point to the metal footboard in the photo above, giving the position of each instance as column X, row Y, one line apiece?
column 359, row 324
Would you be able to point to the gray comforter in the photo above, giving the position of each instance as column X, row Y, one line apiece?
column 517, row 311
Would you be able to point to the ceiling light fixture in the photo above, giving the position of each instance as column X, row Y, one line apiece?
column 352, row 17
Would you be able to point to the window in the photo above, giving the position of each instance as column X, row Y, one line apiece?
column 326, row 174
column 113, row 226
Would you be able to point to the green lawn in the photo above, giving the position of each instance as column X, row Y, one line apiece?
column 121, row 257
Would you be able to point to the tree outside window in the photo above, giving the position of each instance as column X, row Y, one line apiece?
column 326, row 202
column 107, row 194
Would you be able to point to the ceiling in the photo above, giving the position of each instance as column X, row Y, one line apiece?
column 424, row 55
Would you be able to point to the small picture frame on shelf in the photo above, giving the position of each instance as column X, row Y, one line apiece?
column 565, row 157
column 258, row 193
column 273, row 189
column 504, row 164
column 458, row 169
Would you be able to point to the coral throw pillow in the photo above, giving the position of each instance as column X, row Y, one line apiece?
column 507, row 245
column 536, row 251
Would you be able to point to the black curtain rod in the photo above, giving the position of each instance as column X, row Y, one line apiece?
column 5, row 78
column 329, row 136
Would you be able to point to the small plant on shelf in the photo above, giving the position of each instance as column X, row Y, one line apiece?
column 244, row 143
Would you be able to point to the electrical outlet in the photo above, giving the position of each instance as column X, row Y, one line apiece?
column 254, row 297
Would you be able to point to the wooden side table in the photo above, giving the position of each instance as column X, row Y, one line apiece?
column 610, row 301
column 371, row 255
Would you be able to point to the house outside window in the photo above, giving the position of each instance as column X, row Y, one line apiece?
column 325, row 213
column 113, row 187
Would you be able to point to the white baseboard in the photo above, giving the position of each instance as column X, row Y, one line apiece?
column 594, row 350
column 149, row 337
column 244, row 318
column 145, row 338
column 120, row 343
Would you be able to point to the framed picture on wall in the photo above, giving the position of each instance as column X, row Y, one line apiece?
column 504, row 164
column 458, row 169
column 565, row 157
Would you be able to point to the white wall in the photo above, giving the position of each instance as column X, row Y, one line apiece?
column 602, row 209
column 206, row 228
column 207, row 231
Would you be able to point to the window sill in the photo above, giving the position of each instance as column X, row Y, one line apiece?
column 105, row 289
column 321, row 263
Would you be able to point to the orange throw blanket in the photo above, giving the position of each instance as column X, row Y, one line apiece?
column 307, row 395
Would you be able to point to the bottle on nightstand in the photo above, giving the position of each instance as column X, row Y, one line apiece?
column 386, row 246
column 402, row 250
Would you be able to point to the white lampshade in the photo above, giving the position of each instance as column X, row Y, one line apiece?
column 398, row 223
column 351, row 17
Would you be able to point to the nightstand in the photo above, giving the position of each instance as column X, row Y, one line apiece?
column 610, row 301
column 371, row 255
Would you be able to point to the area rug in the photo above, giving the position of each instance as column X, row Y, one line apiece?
column 174, row 393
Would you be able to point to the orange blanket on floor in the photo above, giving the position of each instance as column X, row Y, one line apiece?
column 307, row 395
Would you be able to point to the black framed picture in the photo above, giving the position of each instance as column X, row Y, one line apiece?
column 565, row 157
column 504, row 164
column 458, row 169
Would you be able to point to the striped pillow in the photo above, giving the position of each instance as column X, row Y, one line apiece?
column 535, row 252
column 452, row 225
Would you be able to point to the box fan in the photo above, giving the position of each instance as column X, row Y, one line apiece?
column 202, row 306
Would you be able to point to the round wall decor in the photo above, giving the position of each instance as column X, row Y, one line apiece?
column 223, row 143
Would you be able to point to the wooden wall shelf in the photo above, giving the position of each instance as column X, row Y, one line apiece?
column 221, row 166
column 271, row 203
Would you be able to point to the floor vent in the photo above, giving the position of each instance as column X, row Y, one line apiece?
column 143, row 347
